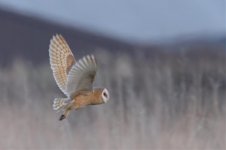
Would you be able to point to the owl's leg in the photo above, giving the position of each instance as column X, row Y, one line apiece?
column 66, row 113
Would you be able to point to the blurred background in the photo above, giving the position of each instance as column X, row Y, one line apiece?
column 163, row 62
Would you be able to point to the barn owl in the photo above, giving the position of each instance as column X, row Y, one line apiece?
column 74, row 78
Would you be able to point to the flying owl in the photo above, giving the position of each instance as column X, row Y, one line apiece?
column 74, row 78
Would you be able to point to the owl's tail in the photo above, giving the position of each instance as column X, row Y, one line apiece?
column 59, row 103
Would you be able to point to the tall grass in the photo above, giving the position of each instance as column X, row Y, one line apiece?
column 168, row 102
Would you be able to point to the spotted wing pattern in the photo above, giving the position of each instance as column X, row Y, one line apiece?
column 61, row 60
column 82, row 75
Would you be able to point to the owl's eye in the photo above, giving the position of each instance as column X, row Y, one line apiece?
column 105, row 94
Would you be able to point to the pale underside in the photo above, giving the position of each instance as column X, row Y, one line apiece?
column 71, row 76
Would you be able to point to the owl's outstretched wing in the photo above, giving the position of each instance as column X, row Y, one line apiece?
column 82, row 75
column 61, row 60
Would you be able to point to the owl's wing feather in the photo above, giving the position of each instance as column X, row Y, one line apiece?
column 82, row 75
column 61, row 60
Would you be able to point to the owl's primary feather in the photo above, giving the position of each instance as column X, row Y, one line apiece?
column 61, row 60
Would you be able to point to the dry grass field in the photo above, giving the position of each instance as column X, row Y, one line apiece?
column 160, row 103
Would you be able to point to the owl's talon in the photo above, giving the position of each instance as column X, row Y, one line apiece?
column 62, row 117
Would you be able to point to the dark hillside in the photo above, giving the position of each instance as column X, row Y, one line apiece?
column 29, row 38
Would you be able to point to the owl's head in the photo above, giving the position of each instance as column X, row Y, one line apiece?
column 105, row 95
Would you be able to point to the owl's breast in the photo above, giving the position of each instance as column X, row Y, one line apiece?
column 88, row 98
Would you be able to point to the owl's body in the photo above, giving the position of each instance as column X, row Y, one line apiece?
column 88, row 98
column 75, row 79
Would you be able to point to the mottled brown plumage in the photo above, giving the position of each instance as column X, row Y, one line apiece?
column 61, row 60
column 75, row 79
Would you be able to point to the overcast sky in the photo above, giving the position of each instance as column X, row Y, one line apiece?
column 142, row 20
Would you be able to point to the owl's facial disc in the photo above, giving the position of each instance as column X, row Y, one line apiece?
column 105, row 95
